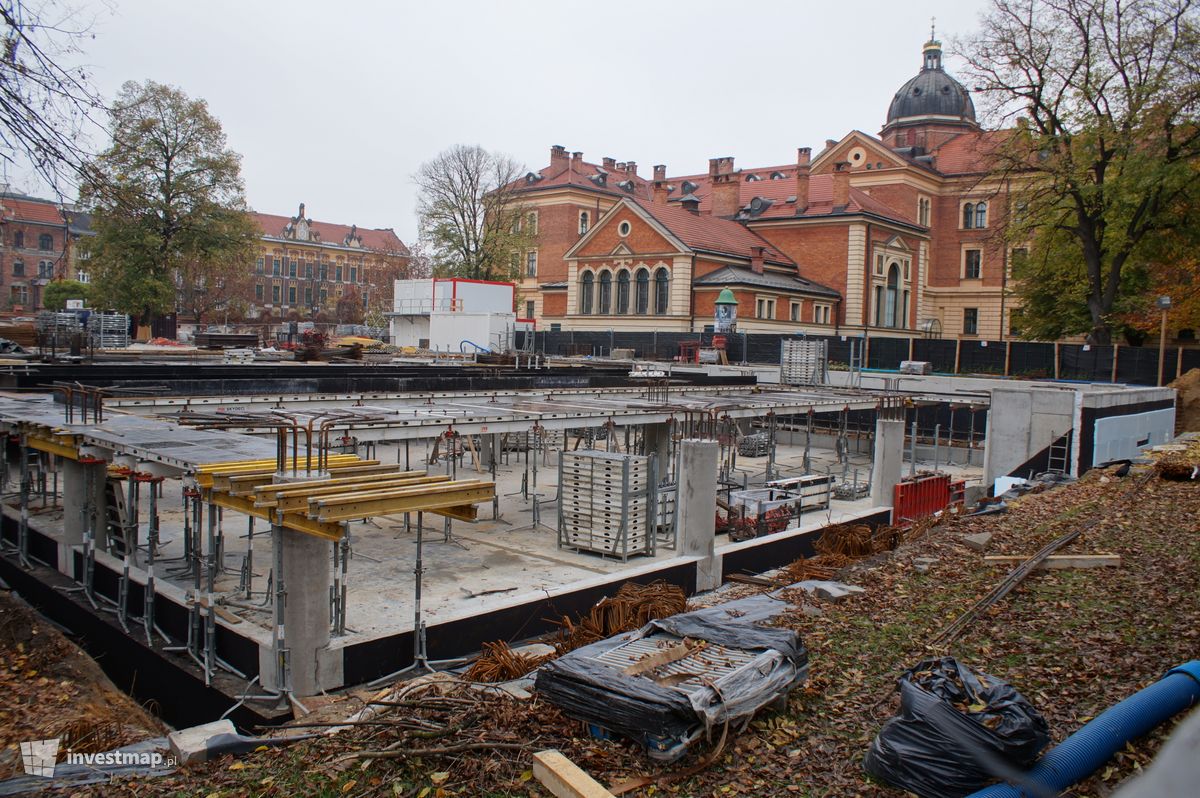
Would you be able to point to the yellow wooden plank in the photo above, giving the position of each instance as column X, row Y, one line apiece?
column 298, row 500
column 271, row 488
column 54, row 446
column 564, row 779
column 401, row 492
column 395, row 505
column 293, row 521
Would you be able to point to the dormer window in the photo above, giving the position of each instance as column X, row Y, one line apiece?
column 752, row 178
column 778, row 176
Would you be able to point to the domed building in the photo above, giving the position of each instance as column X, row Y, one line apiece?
column 893, row 235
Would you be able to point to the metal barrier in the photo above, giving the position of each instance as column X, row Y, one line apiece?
column 923, row 496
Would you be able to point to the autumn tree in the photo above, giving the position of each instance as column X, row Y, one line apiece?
column 167, row 205
column 1101, row 160
column 47, row 105
column 471, row 215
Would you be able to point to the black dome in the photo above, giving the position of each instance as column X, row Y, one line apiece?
column 931, row 93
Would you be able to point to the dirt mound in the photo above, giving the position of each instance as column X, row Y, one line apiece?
column 52, row 688
column 1188, row 414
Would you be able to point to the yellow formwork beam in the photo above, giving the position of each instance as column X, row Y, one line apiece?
column 249, row 484
column 271, row 488
column 345, row 508
column 218, row 474
column 53, row 445
column 298, row 500
column 293, row 521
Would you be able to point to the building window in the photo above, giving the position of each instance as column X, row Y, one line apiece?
column 354, row 274
column 258, row 292
column 292, row 268
column 923, row 209
column 291, row 294
column 337, row 273
column 583, row 222
column 532, row 223
column 258, row 266
column 323, row 272
column 45, row 242
column 970, row 321
column 661, row 291
column 308, row 297
column 968, row 216
column 1018, row 261
column 531, row 263
column 981, row 214
column 764, row 308
column 18, row 268
column 605, row 292
column 623, row 291
column 275, row 293
column 972, row 264
column 587, row 285
column 324, row 296
column 83, row 277
column 19, row 295
column 308, row 269
column 46, row 270
column 641, row 300
column 794, row 315
column 624, row 228
column 888, row 300
column 529, row 307
column 366, row 300
column 821, row 314
column 19, row 239
column 879, row 265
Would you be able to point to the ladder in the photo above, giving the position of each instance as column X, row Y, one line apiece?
column 1059, row 454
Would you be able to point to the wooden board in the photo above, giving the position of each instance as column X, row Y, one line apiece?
column 1057, row 561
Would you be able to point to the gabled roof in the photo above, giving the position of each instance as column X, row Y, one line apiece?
column 969, row 153
column 733, row 275
column 713, row 234
column 380, row 240
column 782, row 200
column 29, row 209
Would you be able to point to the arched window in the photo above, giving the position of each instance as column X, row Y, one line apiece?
column 981, row 214
column 623, row 291
column 968, row 216
column 19, row 239
column 661, row 291
column 605, row 292
column 641, row 302
column 587, row 287
column 45, row 242
column 892, row 296
column 583, row 222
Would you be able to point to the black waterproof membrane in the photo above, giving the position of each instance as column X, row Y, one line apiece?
column 958, row 729
column 737, row 668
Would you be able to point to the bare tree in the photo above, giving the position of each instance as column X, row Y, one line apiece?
column 1103, row 155
column 46, row 105
column 471, row 215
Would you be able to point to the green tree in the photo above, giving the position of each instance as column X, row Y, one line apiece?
column 167, row 201
column 56, row 293
column 471, row 215
column 1101, row 160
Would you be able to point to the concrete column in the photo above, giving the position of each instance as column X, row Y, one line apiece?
column 75, row 498
column 658, row 447
column 696, row 508
column 485, row 451
column 306, row 609
column 889, row 461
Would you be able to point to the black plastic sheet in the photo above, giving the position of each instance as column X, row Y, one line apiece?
column 642, row 709
column 955, row 727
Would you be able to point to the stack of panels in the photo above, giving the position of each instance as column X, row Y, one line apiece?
column 606, row 503
column 804, row 362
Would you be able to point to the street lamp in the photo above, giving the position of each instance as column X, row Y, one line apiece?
column 1164, row 304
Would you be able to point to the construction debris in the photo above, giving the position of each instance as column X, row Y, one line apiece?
column 1059, row 561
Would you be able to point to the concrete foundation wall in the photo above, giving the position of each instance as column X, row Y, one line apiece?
column 1022, row 422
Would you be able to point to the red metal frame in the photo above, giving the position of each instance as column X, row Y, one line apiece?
column 924, row 496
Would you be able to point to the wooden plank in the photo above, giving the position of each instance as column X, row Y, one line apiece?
column 1057, row 561
column 564, row 779
column 298, row 499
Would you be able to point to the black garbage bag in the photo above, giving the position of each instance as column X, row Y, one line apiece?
column 956, row 726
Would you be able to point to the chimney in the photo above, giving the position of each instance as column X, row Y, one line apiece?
column 558, row 156
column 841, row 185
column 803, row 159
column 577, row 160
column 756, row 259
column 830, row 144
column 661, row 189
column 690, row 203
column 631, row 169
column 610, row 164
column 725, row 188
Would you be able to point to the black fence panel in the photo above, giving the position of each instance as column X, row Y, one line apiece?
column 1191, row 360
column 981, row 357
column 937, row 352
column 887, row 353
column 1085, row 362
column 1138, row 365
column 1031, row 360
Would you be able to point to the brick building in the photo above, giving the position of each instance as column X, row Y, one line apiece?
column 304, row 267
column 34, row 249
column 895, row 233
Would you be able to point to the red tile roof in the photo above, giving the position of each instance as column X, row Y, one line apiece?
column 712, row 234
column 578, row 173
column 384, row 240
column 31, row 210
column 969, row 153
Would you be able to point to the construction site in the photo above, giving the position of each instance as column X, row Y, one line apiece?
column 239, row 542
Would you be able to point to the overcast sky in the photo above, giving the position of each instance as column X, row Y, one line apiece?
column 336, row 104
